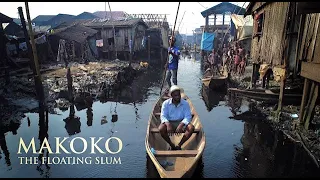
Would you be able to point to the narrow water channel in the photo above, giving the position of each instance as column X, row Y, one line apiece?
column 234, row 148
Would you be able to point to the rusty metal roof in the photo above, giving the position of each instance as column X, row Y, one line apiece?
column 116, row 15
column 76, row 33
column 97, row 23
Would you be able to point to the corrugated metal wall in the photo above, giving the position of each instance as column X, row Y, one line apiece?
column 269, row 48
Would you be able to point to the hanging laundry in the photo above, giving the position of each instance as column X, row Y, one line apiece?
column 99, row 43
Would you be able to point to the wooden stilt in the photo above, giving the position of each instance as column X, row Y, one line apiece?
column 3, row 55
column 69, row 82
column 311, row 107
column 306, row 90
column 309, row 101
column 32, row 51
column 282, row 86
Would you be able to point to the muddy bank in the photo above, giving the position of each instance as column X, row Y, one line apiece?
column 287, row 121
column 91, row 82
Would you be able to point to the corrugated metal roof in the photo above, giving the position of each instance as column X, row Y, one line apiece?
column 116, row 15
column 76, row 33
column 121, row 23
column 223, row 8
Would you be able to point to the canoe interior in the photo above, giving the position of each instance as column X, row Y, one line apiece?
column 184, row 162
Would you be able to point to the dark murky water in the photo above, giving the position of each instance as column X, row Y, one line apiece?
column 234, row 148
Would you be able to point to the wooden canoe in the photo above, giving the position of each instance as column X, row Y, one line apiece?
column 182, row 162
column 214, row 82
column 268, row 96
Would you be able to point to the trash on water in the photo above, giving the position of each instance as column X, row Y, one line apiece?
column 294, row 115
column 245, row 159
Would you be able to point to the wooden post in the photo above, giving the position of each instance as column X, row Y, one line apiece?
column 304, row 99
column 299, row 42
column 223, row 16
column 206, row 24
column 69, row 82
column 34, row 49
column 3, row 54
column 310, row 112
column 282, row 86
column 310, row 95
column 149, row 49
column 32, row 52
column 26, row 35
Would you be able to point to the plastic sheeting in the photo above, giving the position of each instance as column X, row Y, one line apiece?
column 207, row 41
column 244, row 26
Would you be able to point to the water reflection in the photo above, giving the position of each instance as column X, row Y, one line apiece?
column 151, row 170
column 212, row 98
column 114, row 117
column 4, row 148
column 265, row 153
column 234, row 102
column 72, row 123
column 43, row 135
column 13, row 126
column 89, row 116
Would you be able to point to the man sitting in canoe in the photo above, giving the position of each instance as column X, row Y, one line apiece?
column 175, row 118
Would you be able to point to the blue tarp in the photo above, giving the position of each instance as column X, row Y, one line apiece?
column 207, row 41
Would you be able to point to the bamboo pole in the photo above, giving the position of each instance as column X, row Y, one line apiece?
column 32, row 52
column 35, row 55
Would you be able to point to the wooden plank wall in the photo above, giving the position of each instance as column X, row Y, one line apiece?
column 269, row 48
column 139, row 36
column 124, row 32
column 310, row 47
column 165, row 38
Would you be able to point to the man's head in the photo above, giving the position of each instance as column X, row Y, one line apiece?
column 172, row 40
column 175, row 94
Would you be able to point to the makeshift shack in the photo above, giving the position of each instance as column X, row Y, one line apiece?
column 78, row 40
column 124, row 32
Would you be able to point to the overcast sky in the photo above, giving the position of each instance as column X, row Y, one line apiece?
column 192, row 10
